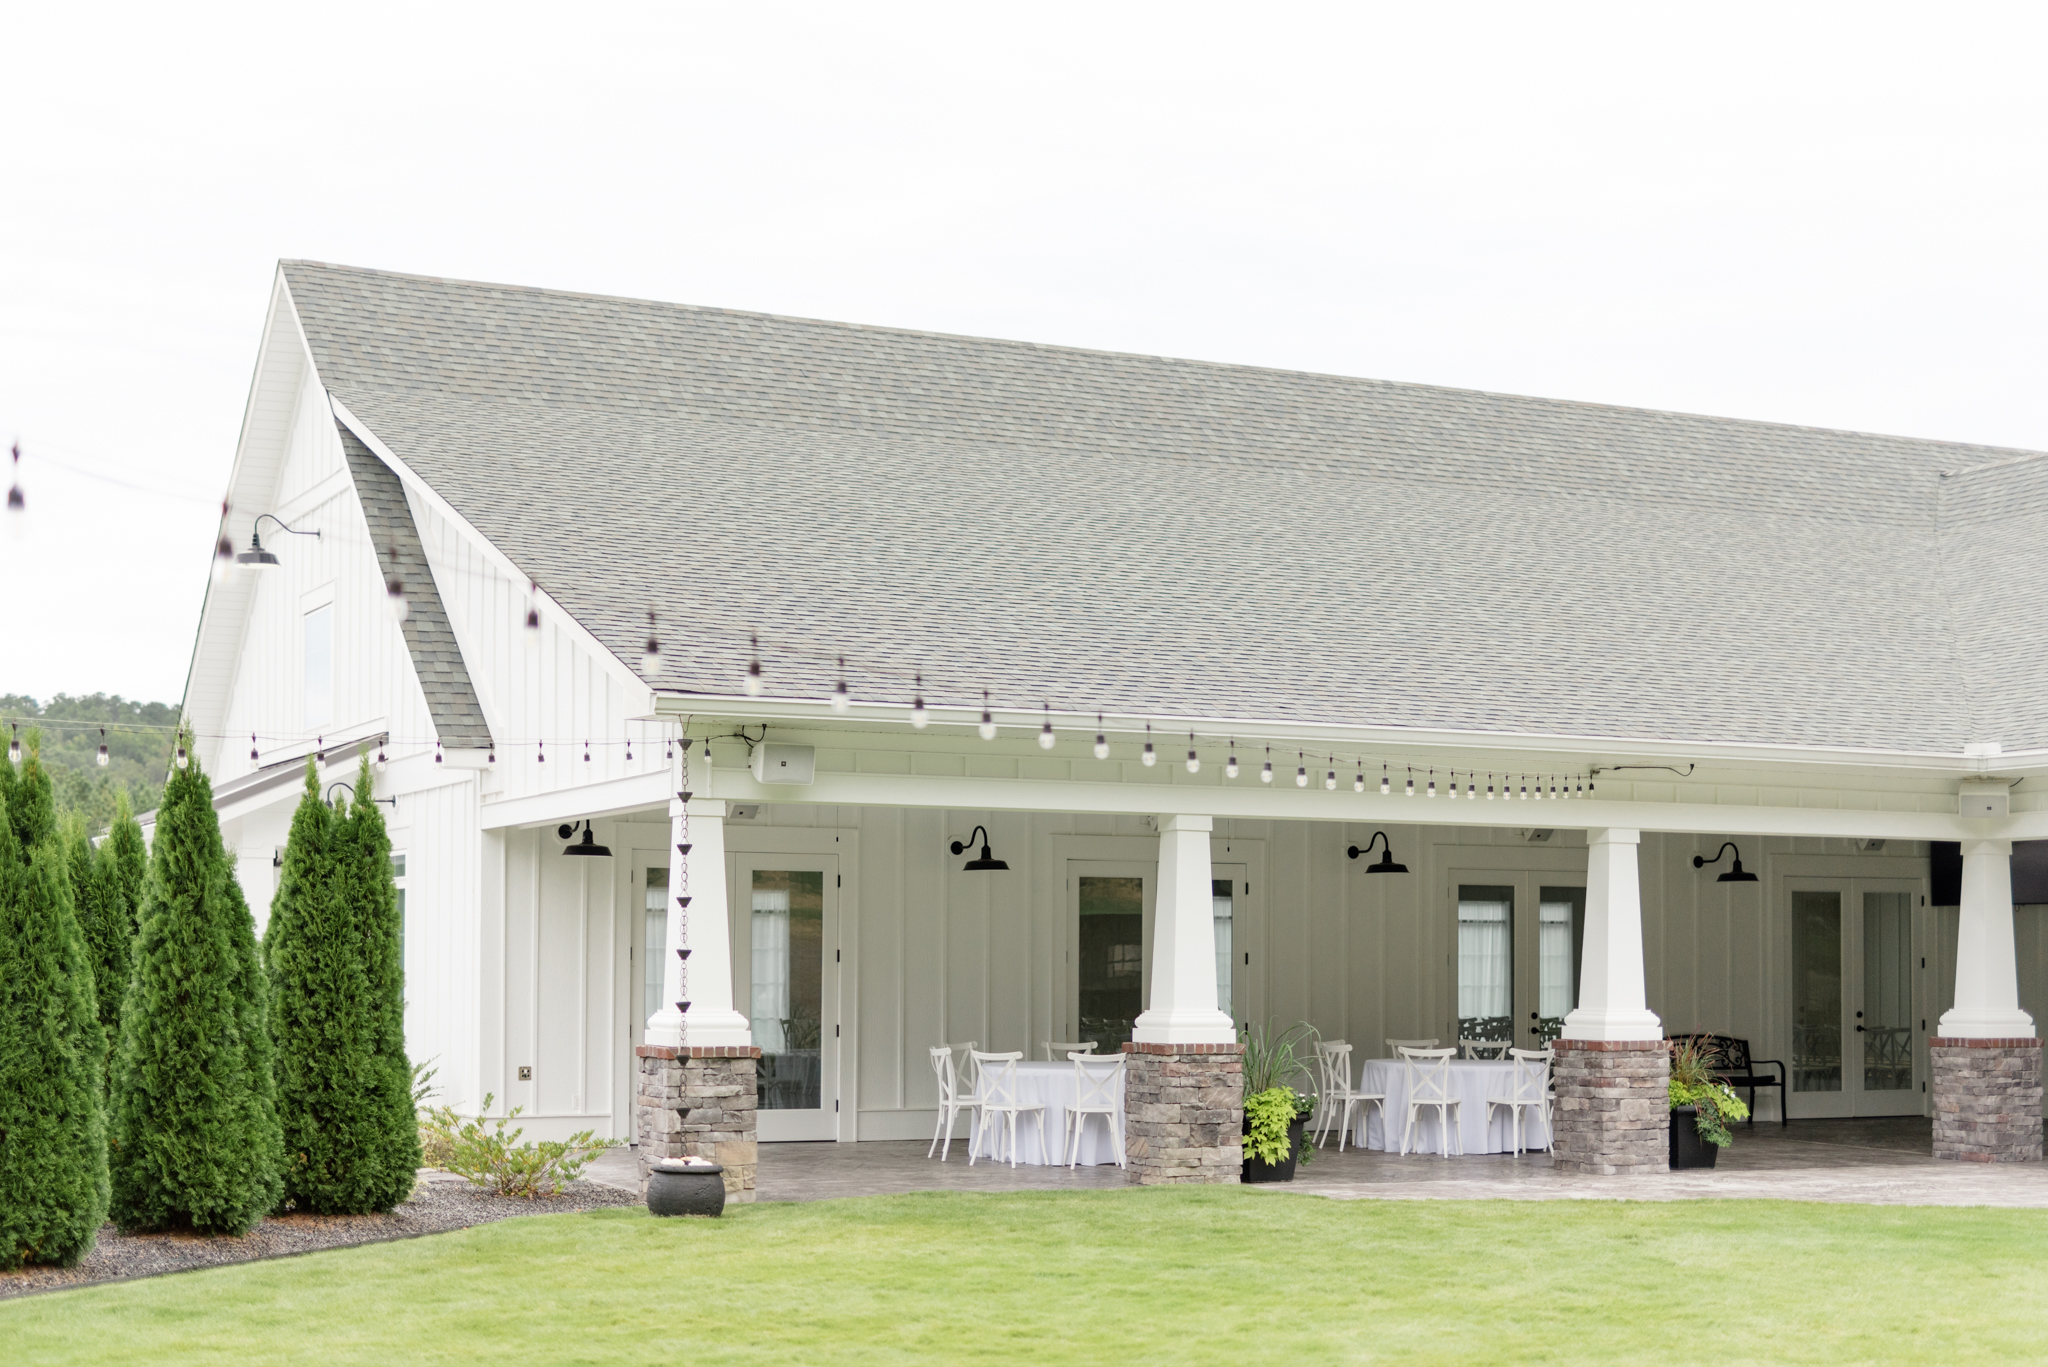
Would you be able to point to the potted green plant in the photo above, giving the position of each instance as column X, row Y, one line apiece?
column 1276, row 1109
column 1701, row 1105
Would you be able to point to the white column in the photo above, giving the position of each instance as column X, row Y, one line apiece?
column 1987, row 972
column 1183, row 1008
column 1611, row 1001
column 712, row 1019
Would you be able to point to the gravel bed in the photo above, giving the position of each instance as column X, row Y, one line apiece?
column 438, row 1203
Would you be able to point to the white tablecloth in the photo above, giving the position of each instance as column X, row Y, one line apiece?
column 1472, row 1081
column 1053, row 1086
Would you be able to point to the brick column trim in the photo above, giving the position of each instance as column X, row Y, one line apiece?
column 1183, row 1112
column 1613, row 1114
column 1987, row 1099
column 699, row 1102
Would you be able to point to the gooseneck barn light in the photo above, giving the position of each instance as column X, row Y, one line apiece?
column 1386, row 862
column 987, row 863
column 1735, row 874
column 588, row 845
column 256, row 558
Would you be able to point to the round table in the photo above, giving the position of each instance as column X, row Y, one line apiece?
column 1472, row 1081
column 1053, row 1086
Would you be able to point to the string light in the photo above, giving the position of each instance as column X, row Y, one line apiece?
column 1525, row 787
column 183, row 758
column 629, row 749
column 707, row 751
column 103, row 747
column 1432, row 783
column 668, row 749
column 17, row 505
column 1454, row 785
column 1194, row 760
column 650, row 654
column 919, row 717
column 252, row 747
column 1386, row 783
column 394, row 590
column 1266, row 774
column 1046, row 739
column 1149, row 757
column 841, row 699
column 381, row 761
column 1101, row 741
column 492, row 755
column 14, row 740
column 223, row 549
column 437, row 750
column 532, row 615
column 586, row 752
column 1411, row 781
column 1301, row 770
column 540, row 752
column 1471, row 787
column 753, row 679
column 988, row 721
column 1230, row 766
column 1330, row 778
column 1358, row 780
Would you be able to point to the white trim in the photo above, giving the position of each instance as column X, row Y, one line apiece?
column 592, row 801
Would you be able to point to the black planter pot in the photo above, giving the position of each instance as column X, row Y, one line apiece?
column 1688, row 1150
column 1283, row 1171
column 675, row 1188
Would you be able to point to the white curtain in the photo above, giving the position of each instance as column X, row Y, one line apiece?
column 1484, row 959
column 770, row 1006
column 1554, row 958
column 1223, row 952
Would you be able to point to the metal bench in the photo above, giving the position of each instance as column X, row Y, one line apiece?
column 1733, row 1065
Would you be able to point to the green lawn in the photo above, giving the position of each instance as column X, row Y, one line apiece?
column 1174, row 1276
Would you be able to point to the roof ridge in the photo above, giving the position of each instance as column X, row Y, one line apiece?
column 1565, row 405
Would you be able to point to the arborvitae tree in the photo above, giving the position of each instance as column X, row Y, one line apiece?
column 53, row 1135
column 102, row 919
column 370, row 895
column 322, row 1020
column 127, row 859
column 195, row 1139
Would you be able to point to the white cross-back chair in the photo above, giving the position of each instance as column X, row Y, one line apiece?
column 964, row 1069
column 1099, row 1089
column 1395, row 1046
column 1495, row 1049
column 1531, row 1089
column 1429, row 1084
column 1055, row 1050
column 995, row 1100
column 1335, row 1095
column 952, row 1101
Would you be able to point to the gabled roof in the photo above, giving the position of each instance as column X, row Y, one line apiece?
column 1154, row 536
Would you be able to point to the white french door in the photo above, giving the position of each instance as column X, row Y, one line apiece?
column 1109, row 963
column 1519, row 936
column 1853, row 1007
column 785, row 941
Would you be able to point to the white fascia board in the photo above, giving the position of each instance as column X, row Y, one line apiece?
column 234, row 604
column 1288, row 803
column 593, row 801
column 1598, row 751
column 640, row 696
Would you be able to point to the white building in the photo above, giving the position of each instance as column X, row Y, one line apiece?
column 1667, row 631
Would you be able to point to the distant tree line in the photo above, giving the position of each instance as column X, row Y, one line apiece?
column 138, row 739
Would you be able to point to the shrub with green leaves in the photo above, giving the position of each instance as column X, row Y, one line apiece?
column 1268, row 1114
column 370, row 894
column 194, row 1126
column 479, row 1149
column 1695, row 1083
column 53, row 1138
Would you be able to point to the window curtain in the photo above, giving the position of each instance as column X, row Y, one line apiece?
column 770, row 1005
column 1484, row 959
column 1554, row 958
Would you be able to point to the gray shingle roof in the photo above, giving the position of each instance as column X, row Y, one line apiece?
column 436, row 658
column 1141, row 534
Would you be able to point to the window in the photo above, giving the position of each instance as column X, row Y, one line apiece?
column 1486, row 960
column 655, row 957
column 398, row 880
column 320, row 666
column 1219, row 892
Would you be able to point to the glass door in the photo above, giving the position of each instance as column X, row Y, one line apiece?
column 1519, row 940
column 1852, row 998
column 785, row 913
column 1109, row 965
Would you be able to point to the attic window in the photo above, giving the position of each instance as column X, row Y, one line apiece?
column 320, row 666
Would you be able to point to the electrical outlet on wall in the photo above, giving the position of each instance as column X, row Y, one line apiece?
column 526, row 1072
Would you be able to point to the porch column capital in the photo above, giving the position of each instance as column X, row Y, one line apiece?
column 1987, row 965
column 1183, row 1006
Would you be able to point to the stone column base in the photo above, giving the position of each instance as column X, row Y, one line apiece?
column 1613, row 1112
column 1184, row 1112
column 1987, row 1099
column 699, row 1103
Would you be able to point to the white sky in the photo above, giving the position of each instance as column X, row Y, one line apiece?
column 1832, row 216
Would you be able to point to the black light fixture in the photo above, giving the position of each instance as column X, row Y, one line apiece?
column 986, row 863
column 256, row 558
column 588, row 845
column 1386, row 862
column 1734, row 875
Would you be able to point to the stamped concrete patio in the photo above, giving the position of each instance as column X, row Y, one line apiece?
column 1875, row 1162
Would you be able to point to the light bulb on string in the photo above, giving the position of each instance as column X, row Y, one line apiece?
column 183, row 758
column 752, row 682
column 1411, row 781
column 437, row 750
column 668, row 750
column 1525, row 787
column 1266, row 774
column 1330, row 775
column 1358, row 780
column 1471, row 787
column 841, row 699
column 491, row 755
column 14, row 744
column 381, row 762
column 252, row 747
column 1149, row 757
column 988, row 721
column 1432, row 783
column 1386, row 782
column 1101, row 740
column 540, row 752
column 1553, row 787
column 1301, row 770
column 1453, row 790
column 707, row 750
column 223, row 550
column 919, row 717
column 103, row 756
column 650, row 654
column 1194, row 760
column 1230, row 765
column 394, row 592
column 586, row 751
column 1046, row 739
column 532, row 615
column 17, row 505
column 629, row 749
